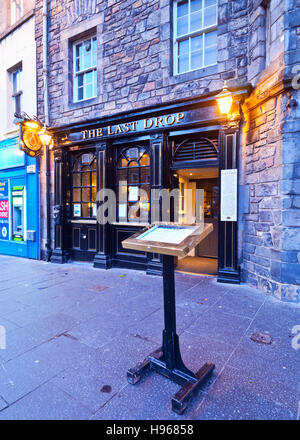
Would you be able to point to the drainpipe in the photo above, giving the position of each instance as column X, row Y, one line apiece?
column 47, row 122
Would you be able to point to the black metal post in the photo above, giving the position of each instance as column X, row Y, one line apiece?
column 167, row 359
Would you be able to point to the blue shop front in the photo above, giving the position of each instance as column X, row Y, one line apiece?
column 19, row 201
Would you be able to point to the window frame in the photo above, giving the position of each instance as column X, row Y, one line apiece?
column 17, row 93
column 91, row 68
column 122, row 154
column 77, row 158
column 16, row 10
column 187, row 36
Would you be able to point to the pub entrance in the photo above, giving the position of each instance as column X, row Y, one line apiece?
column 83, row 189
column 204, row 258
column 195, row 165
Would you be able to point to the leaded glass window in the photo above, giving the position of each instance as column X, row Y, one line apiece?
column 84, row 185
column 133, row 185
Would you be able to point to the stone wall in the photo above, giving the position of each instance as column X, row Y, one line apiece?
column 271, row 230
column 134, row 55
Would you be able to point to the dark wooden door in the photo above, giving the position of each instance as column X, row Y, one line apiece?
column 83, row 241
column 82, row 221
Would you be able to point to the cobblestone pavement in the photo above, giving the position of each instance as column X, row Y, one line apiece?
column 68, row 334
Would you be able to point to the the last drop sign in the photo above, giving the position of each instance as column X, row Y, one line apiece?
column 4, row 210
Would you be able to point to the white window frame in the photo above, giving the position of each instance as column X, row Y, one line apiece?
column 19, row 92
column 76, row 74
column 201, row 31
column 16, row 10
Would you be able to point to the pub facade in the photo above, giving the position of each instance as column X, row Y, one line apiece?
column 133, row 105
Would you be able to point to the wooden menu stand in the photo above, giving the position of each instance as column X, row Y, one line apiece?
column 167, row 359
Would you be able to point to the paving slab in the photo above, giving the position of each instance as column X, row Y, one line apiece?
column 32, row 335
column 46, row 403
column 244, row 396
column 28, row 371
column 222, row 326
column 105, row 367
column 150, row 399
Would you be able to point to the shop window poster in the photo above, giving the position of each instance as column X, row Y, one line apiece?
column 4, row 210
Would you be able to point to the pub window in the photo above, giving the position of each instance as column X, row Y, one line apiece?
column 84, row 185
column 17, row 92
column 85, row 69
column 133, row 185
column 195, row 34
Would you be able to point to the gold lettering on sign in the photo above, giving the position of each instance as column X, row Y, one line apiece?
column 118, row 129
column 146, row 121
column 92, row 133
column 158, row 121
column 180, row 116
column 172, row 119
column 133, row 125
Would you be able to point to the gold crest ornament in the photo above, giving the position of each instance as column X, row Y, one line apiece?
column 30, row 141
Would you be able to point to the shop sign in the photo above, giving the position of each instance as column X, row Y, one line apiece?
column 143, row 126
column 4, row 210
column 30, row 142
column 135, row 126
column 31, row 169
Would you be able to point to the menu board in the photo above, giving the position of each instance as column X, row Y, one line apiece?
column 168, row 238
column 168, row 234
column 229, row 195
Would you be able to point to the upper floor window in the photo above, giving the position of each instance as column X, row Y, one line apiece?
column 16, row 10
column 16, row 79
column 195, row 34
column 85, row 69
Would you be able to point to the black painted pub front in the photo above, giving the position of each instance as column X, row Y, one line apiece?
column 180, row 145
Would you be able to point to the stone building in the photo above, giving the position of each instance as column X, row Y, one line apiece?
column 135, row 83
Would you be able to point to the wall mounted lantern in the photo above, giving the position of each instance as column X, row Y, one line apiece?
column 45, row 136
column 225, row 100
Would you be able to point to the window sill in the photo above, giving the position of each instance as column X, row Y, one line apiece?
column 81, row 104
column 194, row 74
